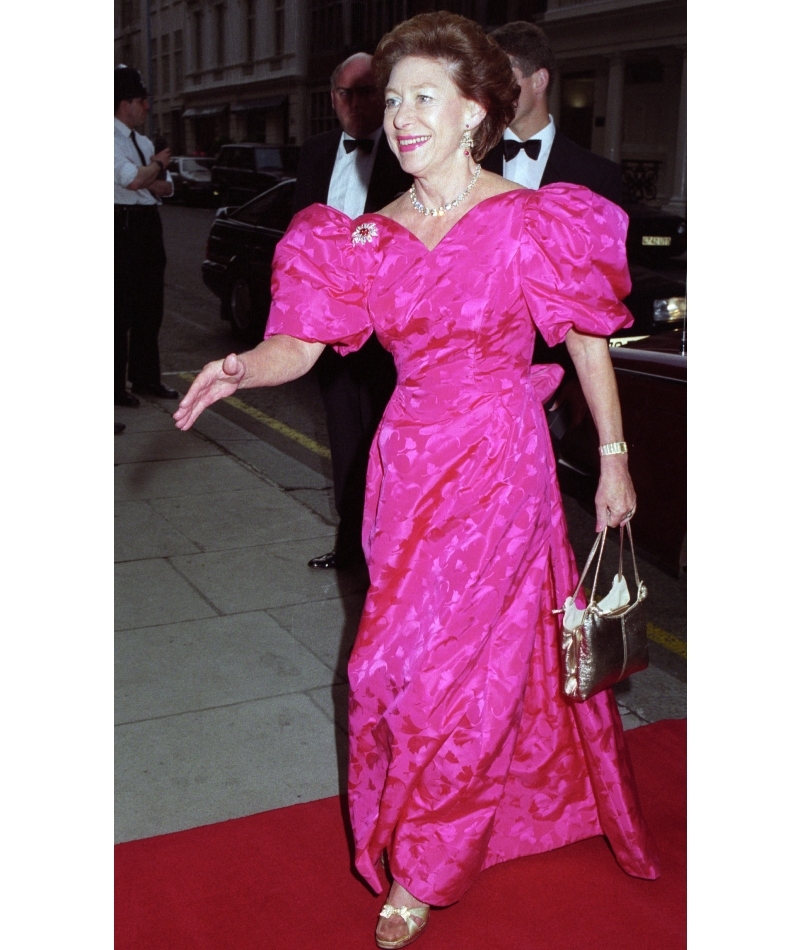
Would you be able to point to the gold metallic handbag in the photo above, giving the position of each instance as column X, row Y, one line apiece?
column 606, row 641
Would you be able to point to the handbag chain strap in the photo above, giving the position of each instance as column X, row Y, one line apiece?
column 600, row 542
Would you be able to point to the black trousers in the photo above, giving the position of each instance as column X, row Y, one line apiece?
column 139, row 263
column 355, row 390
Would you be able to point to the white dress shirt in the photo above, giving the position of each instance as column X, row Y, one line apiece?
column 127, row 164
column 352, row 171
column 527, row 171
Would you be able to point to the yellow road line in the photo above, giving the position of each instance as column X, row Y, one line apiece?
column 275, row 424
column 667, row 640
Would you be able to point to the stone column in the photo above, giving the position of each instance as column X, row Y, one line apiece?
column 677, row 203
column 616, row 86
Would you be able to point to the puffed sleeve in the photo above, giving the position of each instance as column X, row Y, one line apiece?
column 320, row 281
column 574, row 268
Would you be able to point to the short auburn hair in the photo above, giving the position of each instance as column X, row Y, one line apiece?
column 479, row 68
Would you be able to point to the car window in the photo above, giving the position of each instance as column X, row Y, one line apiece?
column 191, row 165
column 268, row 158
column 273, row 209
column 232, row 157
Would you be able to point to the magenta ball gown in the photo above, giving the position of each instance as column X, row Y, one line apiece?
column 463, row 753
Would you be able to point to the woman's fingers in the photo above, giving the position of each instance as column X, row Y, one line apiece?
column 215, row 381
column 615, row 501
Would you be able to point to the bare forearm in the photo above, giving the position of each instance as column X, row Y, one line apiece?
column 599, row 385
column 161, row 189
column 280, row 359
column 615, row 500
column 145, row 177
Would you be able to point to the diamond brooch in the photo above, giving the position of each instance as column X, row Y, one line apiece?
column 364, row 233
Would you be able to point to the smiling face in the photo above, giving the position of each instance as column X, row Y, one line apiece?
column 426, row 116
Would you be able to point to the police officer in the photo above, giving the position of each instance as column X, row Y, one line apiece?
column 140, row 181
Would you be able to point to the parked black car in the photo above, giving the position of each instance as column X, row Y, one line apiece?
column 238, row 264
column 242, row 242
column 651, row 379
column 242, row 172
column 654, row 236
column 191, row 178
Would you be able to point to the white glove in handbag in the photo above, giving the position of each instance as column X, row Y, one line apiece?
column 606, row 641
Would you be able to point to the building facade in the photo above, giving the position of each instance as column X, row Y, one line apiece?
column 259, row 71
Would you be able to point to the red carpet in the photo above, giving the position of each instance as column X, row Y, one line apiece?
column 281, row 880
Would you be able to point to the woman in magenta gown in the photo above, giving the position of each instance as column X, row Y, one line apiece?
column 463, row 753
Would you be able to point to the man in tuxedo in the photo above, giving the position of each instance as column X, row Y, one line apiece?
column 533, row 152
column 355, row 171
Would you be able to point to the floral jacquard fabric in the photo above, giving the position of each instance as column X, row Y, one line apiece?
column 463, row 753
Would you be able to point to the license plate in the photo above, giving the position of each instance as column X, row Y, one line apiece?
column 653, row 241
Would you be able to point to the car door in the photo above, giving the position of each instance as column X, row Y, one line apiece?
column 269, row 217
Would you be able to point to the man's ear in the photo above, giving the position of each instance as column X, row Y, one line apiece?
column 541, row 80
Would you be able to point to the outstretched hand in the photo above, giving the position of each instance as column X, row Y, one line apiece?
column 216, row 380
column 615, row 501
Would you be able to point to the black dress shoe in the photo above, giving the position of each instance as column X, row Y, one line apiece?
column 156, row 389
column 126, row 399
column 324, row 561
column 119, row 428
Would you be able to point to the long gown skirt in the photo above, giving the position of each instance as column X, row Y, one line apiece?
column 463, row 752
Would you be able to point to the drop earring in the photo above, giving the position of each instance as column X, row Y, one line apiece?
column 467, row 142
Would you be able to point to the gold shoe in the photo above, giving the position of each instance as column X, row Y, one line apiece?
column 416, row 920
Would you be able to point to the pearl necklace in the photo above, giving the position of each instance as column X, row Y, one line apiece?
column 438, row 212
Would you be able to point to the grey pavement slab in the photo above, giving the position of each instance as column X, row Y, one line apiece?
column 243, row 518
column 272, row 575
column 332, row 700
column 328, row 628
column 651, row 695
column 183, row 771
column 221, row 430
column 201, row 664
column 141, row 532
column 281, row 468
column 320, row 501
column 161, row 444
column 148, row 417
column 152, row 592
column 181, row 477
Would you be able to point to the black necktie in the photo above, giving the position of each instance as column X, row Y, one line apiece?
column 363, row 145
column 511, row 148
column 136, row 146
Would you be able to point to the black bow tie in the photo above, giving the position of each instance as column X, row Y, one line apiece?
column 363, row 145
column 511, row 148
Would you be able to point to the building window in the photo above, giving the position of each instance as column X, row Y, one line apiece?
column 165, row 75
column 154, row 66
column 280, row 26
column 326, row 25
column 219, row 16
column 198, row 41
column 177, row 59
column 323, row 117
column 465, row 8
column 250, row 31
column 127, row 13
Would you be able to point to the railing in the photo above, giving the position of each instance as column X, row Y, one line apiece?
column 640, row 180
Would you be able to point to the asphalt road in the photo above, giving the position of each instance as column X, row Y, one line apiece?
column 291, row 417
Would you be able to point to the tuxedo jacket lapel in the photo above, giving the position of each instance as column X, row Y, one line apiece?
column 314, row 170
column 388, row 178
